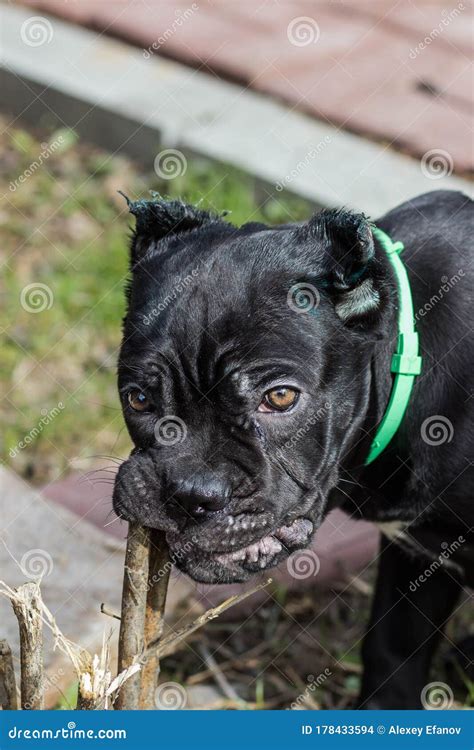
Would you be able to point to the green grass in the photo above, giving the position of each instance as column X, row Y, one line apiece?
column 66, row 227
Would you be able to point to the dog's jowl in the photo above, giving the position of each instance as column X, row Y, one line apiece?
column 257, row 366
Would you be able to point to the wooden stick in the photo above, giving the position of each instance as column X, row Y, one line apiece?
column 159, row 573
column 8, row 696
column 27, row 608
column 132, row 622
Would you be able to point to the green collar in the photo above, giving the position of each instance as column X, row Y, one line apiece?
column 406, row 362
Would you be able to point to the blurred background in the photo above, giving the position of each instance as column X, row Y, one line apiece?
column 265, row 109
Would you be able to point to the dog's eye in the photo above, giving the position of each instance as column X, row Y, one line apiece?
column 279, row 399
column 138, row 400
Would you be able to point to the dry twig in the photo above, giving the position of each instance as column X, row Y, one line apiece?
column 26, row 604
column 105, row 610
column 96, row 689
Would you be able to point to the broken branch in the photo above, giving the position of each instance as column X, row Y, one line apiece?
column 105, row 610
column 27, row 607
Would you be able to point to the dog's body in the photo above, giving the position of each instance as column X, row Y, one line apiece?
column 276, row 396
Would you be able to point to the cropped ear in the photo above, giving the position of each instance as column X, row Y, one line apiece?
column 159, row 218
column 347, row 259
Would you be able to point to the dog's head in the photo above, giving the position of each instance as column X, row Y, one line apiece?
column 244, row 379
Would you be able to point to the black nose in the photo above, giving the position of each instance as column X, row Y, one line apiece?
column 199, row 495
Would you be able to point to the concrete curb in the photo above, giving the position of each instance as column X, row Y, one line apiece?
column 90, row 82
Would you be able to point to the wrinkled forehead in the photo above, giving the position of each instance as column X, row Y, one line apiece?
column 206, row 368
column 207, row 275
column 215, row 256
column 213, row 304
column 233, row 337
column 225, row 331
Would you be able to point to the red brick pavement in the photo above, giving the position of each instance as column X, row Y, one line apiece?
column 355, row 63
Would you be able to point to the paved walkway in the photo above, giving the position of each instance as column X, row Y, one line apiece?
column 395, row 71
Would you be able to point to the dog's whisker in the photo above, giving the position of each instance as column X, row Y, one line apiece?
column 109, row 523
column 108, row 482
column 102, row 405
column 97, row 474
column 98, row 482
column 348, row 481
column 117, row 459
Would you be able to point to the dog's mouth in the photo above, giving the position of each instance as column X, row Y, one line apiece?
column 233, row 562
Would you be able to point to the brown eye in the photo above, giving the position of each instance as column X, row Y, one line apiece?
column 138, row 401
column 279, row 399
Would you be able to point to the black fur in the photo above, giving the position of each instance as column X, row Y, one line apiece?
column 217, row 316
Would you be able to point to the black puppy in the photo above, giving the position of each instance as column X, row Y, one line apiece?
column 254, row 370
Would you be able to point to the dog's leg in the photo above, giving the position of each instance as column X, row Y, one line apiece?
column 404, row 629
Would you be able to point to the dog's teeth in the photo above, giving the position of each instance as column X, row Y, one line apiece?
column 253, row 553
